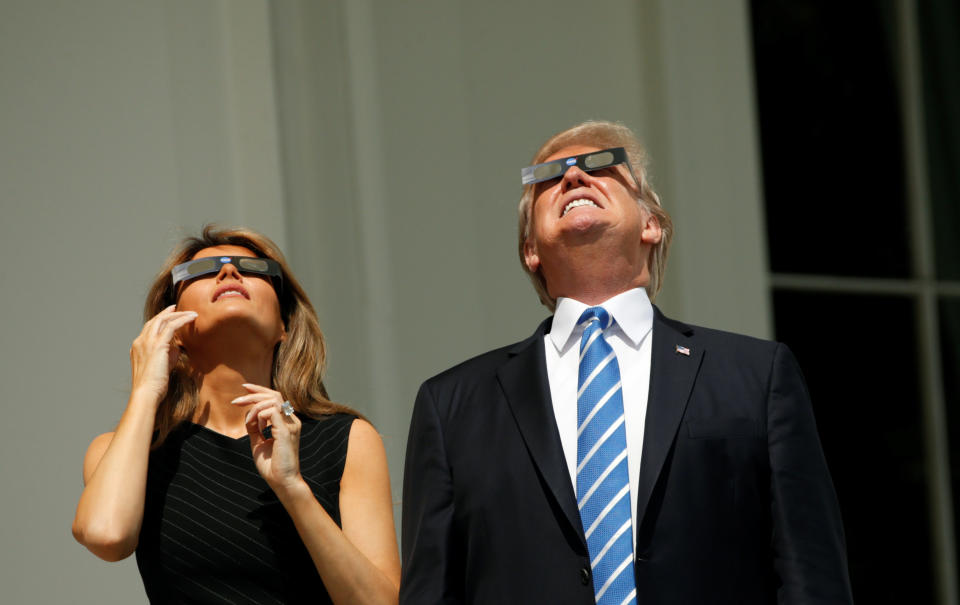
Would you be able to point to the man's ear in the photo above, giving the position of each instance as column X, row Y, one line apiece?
column 651, row 233
column 530, row 256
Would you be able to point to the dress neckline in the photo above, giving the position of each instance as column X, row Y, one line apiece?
column 195, row 427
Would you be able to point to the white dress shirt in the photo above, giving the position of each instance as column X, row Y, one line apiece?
column 630, row 338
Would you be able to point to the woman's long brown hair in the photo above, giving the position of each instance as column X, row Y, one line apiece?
column 298, row 362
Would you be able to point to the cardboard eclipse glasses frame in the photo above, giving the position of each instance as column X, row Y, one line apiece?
column 588, row 162
column 213, row 264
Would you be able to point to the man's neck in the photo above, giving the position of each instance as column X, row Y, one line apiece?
column 592, row 282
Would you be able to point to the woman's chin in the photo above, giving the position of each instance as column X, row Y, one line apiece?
column 243, row 328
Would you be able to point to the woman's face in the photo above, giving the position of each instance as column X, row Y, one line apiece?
column 231, row 299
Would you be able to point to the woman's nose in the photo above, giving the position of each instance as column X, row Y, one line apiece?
column 228, row 270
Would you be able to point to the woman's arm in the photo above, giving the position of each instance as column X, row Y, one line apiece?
column 110, row 510
column 360, row 563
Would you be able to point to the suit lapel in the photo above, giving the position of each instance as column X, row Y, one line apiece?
column 523, row 379
column 672, row 375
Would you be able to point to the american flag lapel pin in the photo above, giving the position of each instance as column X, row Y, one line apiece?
column 683, row 350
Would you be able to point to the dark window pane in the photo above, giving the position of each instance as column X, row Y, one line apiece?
column 831, row 138
column 940, row 46
column 858, row 355
column 950, row 349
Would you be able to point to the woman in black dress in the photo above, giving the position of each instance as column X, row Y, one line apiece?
column 231, row 474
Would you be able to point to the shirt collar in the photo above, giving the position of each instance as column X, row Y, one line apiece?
column 631, row 310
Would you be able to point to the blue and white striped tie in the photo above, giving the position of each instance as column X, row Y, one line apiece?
column 603, row 479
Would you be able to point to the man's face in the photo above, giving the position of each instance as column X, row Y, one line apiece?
column 581, row 208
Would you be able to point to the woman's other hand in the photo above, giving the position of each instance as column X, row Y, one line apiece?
column 110, row 511
column 154, row 352
column 277, row 458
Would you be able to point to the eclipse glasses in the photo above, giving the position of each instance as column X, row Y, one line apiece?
column 213, row 264
column 588, row 162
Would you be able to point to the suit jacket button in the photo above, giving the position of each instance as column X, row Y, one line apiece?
column 585, row 575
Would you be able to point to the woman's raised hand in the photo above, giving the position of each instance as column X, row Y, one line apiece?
column 277, row 458
column 153, row 353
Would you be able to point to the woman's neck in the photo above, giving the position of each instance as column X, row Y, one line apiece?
column 221, row 380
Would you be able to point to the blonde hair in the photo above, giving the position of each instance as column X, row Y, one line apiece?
column 603, row 135
column 298, row 362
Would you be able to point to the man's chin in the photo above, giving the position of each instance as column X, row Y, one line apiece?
column 584, row 230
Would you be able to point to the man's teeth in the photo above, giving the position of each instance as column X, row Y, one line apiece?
column 577, row 204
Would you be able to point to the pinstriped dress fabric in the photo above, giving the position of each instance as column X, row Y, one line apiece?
column 213, row 530
column 603, row 481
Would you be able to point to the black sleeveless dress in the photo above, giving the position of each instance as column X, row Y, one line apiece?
column 213, row 530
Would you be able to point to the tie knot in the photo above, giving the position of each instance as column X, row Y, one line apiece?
column 598, row 314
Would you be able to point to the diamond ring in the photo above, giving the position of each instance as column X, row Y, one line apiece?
column 286, row 408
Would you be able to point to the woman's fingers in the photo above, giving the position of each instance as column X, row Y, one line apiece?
column 150, row 326
column 156, row 322
column 265, row 418
column 163, row 313
column 253, row 430
column 256, row 388
column 152, row 353
column 257, row 394
column 247, row 399
column 173, row 322
column 277, row 458
column 254, row 422
column 165, row 323
column 260, row 393
column 158, row 332
column 267, row 413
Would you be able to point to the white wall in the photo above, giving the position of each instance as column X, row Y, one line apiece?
column 702, row 133
column 123, row 126
column 378, row 142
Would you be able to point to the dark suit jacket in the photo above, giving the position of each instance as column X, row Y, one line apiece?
column 735, row 503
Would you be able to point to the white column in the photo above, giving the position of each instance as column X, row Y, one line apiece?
column 698, row 82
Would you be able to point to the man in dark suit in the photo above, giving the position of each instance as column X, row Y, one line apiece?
column 615, row 456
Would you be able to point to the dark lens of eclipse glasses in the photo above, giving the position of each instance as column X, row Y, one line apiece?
column 201, row 266
column 257, row 265
column 601, row 159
